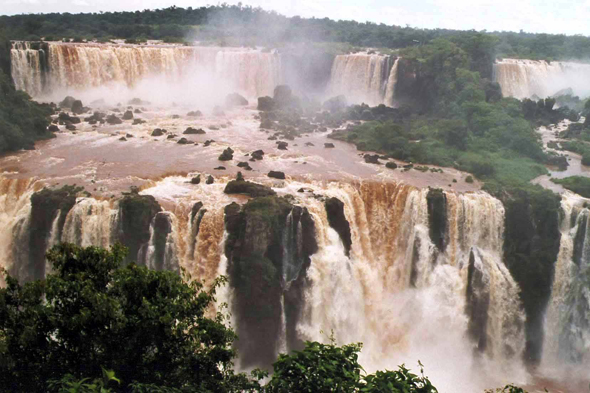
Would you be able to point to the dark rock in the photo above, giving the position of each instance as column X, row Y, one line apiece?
column 128, row 115
column 196, row 179
column 391, row 165
column 437, row 217
column 408, row 166
column 138, row 121
column 53, row 128
column 277, row 175
column 265, row 104
column 235, row 100
column 257, row 155
column 208, row 142
column 183, row 141
column 67, row 102
column 70, row 127
column 371, row 158
column 78, row 108
column 337, row 220
column 137, row 111
column 308, row 144
column 210, row 180
column 171, row 136
column 194, row 131
column 329, row 145
column 244, row 165
column 248, row 188
column 129, row 136
column 220, row 168
column 158, row 132
column 227, row 155
column 123, row 139
column 282, row 145
column 112, row 120
column 194, row 114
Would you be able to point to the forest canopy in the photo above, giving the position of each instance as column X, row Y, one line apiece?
column 245, row 25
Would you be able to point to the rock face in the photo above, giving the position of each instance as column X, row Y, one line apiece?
column 136, row 213
column 235, row 100
column 531, row 245
column 337, row 220
column 248, row 188
column 45, row 207
column 477, row 304
column 437, row 217
column 267, row 259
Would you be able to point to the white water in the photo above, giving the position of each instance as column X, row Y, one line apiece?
column 364, row 78
column 526, row 78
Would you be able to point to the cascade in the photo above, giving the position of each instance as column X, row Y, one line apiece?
column 528, row 78
column 368, row 78
column 78, row 67
column 567, row 338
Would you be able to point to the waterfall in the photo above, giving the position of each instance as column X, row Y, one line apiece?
column 401, row 293
column 368, row 78
column 567, row 338
column 79, row 67
column 529, row 78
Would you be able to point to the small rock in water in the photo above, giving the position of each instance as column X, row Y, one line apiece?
column 277, row 175
column 194, row 131
column 329, row 145
column 128, row 136
column 196, row 179
column 391, row 165
column 128, row 115
column 194, row 114
column 282, row 145
column 227, row 155
column 210, row 180
column 158, row 132
column 257, row 155
column 123, row 139
column 183, row 141
column 220, row 168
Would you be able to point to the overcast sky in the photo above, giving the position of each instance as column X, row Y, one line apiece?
column 555, row 16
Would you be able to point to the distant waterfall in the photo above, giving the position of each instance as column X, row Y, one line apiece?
column 528, row 78
column 82, row 66
column 364, row 78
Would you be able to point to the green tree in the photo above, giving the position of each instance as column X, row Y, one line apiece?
column 146, row 326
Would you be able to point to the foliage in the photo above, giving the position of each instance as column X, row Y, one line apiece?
column 578, row 184
column 91, row 313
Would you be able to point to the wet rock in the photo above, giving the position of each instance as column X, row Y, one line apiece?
column 337, row 220
column 158, row 132
column 282, row 145
column 235, row 100
column 123, row 139
column 128, row 115
column 239, row 176
column 112, row 120
column 53, row 128
column 220, row 168
column 245, row 165
column 196, row 179
column 371, row 158
column 183, row 141
column 227, row 155
column 138, row 121
column 391, row 165
column 257, row 155
column 67, row 102
column 70, row 127
column 248, row 188
column 171, row 136
column 194, row 131
column 137, row 101
column 277, row 175
column 210, row 180
column 208, row 142
column 309, row 144
column 194, row 114
column 329, row 145
column 78, row 108
column 272, row 138
column 408, row 166
column 265, row 104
